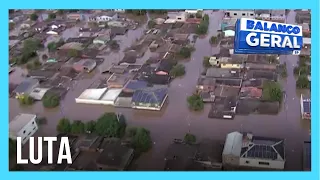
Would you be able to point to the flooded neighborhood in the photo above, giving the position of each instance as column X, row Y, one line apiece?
column 171, row 78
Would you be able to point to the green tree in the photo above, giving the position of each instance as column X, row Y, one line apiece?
column 52, row 16
column 51, row 100
column 11, row 26
column 31, row 46
column 199, row 14
column 77, row 127
column 141, row 139
column 206, row 18
column 303, row 82
column 195, row 102
column 52, row 46
column 202, row 28
column 64, row 126
column 25, row 100
column 122, row 125
column 283, row 68
column 90, row 126
column 206, row 62
column 178, row 70
column 157, row 11
column 214, row 40
column 34, row 17
column 130, row 132
column 137, row 12
column 185, row 52
column 36, row 63
column 272, row 91
column 151, row 24
column 108, row 125
column 190, row 138
column 302, row 70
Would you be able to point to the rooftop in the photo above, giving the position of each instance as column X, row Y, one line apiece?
column 25, row 85
column 217, row 72
column 136, row 84
column 38, row 93
column 89, row 141
column 111, row 95
column 179, row 156
column 150, row 95
column 250, row 92
column 92, row 94
column 115, row 156
column 20, row 121
column 206, row 81
column 226, row 91
column 72, row 45
column 118, row 79
column 248, row 146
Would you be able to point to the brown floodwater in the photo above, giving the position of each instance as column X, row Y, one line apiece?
column 174, row 120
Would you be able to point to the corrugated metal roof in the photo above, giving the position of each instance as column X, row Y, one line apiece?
column 233, row 144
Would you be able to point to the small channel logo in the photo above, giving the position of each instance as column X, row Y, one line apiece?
column 265, row 37
column 36, row 156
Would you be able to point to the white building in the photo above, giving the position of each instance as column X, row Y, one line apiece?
column 103, row 96
column 24, row 126
column 234, row 13
column 104, row 17
column 177, row 16
column 246, row 150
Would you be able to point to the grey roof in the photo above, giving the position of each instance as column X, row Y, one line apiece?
column 26, row 85
column 90, row 64
column 217, row 72
column 38, row 93
column 233, row 144
column 115, row 156
column 20, row 121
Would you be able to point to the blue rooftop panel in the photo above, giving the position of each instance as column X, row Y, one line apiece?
column 152, row 96
column 306, row 106
column 134, row 85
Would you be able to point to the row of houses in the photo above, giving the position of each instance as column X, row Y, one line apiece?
column 124, row 89
column 273, row 15
column 239, row 151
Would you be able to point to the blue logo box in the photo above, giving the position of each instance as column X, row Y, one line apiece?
column 265, row 37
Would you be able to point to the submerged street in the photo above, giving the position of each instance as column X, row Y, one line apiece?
column 175, row 119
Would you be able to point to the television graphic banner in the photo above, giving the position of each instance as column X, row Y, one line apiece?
column 265, row 37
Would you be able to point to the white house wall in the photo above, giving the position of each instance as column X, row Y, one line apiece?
column 27, row 131
column 91, row 101
column 273, row 164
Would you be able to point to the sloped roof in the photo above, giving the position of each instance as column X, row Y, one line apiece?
column 263, row 148
column 233, row 144
column 149, row 95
